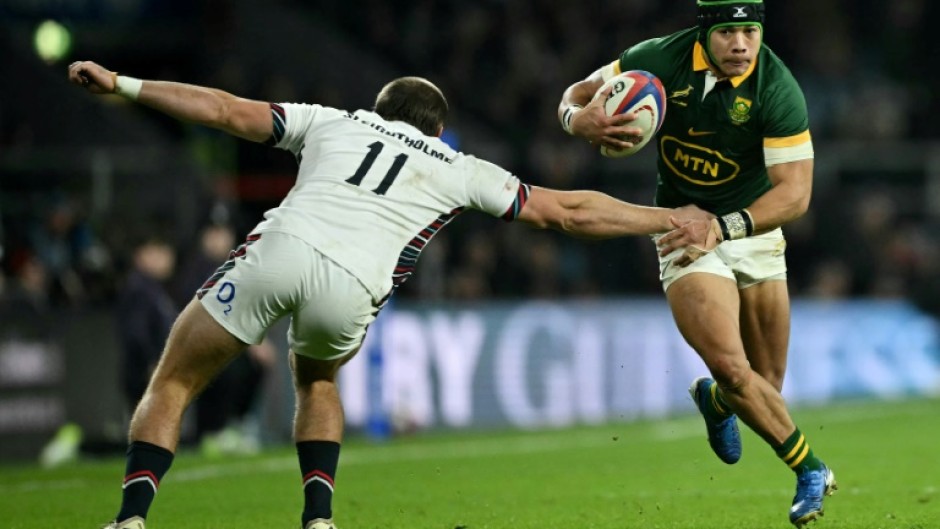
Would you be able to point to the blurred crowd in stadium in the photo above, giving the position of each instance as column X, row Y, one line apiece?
column 871, row 230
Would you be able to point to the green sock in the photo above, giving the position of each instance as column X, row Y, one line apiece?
column 719, row 406
column 797, row 454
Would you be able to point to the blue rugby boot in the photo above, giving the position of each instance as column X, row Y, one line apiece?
column 811, row 487
column 723, row 434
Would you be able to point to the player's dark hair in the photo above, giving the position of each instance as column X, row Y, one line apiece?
column 415, row 101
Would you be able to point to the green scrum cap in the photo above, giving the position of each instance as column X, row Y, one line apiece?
column 714, row 14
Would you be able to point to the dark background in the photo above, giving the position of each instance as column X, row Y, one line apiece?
column 93, row 171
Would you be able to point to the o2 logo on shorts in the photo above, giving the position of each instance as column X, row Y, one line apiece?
column 225, row 295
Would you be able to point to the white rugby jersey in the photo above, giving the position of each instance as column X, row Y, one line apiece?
column 371, row 193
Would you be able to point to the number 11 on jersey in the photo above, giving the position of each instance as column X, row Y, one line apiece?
column 374, row 149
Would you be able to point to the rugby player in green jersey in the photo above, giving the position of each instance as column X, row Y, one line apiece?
column 735, row 142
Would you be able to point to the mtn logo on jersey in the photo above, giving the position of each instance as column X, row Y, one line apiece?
column 697, row 164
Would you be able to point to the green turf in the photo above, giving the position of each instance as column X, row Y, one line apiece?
column 649, row 475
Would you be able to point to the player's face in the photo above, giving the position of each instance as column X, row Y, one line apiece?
column 735, row 48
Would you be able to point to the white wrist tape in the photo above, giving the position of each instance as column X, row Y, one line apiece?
column 567, row 115
column 128, row 87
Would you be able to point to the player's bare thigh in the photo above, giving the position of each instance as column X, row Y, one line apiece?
column 706, row 308
column 765, row 328
column 198, row 347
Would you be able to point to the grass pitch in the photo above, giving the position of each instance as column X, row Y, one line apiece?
column 651, row 475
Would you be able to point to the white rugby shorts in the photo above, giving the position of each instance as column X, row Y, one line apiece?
column 747, row 261
column 275, row 274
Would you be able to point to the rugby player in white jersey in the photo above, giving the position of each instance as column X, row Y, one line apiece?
column 372, row 188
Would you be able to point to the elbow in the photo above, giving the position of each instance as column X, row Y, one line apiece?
column 574, row 223
column 564, row 212
column 801, row 206
column 224, row 112
column 556, row 223
column 221, row 117
column 568, row 226
column 559, row 221
column 795, row 205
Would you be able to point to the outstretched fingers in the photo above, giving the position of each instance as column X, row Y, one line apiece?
column 694, row 236
column 683, row 235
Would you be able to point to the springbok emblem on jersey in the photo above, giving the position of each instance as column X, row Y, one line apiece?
column 740, row 110
column 674, row 97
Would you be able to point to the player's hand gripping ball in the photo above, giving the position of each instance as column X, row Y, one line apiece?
column 635, row 91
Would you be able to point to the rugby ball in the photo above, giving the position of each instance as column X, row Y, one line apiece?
column 635, row 91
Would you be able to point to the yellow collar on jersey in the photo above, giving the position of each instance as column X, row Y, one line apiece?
column 700, row 63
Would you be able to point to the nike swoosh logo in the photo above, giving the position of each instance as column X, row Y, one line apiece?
column 693, row 132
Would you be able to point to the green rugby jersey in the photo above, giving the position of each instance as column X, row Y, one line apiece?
column 711, row 151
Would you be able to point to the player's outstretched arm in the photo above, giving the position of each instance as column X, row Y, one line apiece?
column 583, row 116
column 595, row 215
column 240, row 117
